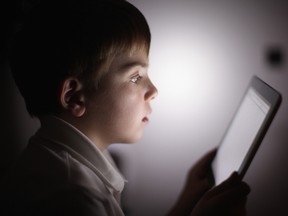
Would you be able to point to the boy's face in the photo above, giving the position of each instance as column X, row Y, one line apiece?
column 118, row 111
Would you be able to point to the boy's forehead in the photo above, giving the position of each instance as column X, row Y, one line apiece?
column 126, row 61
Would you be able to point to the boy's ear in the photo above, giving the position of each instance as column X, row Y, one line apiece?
column 72, row 97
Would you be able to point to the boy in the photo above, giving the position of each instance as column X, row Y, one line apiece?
column 82, row 70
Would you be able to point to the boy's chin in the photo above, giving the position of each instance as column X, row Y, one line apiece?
column 133, row 140
column 129, row 139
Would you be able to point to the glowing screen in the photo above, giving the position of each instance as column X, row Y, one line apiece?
column 240, row 135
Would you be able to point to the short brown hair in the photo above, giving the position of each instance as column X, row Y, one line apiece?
column 79, row 39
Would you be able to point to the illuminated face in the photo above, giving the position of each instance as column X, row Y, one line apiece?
column 118, row 111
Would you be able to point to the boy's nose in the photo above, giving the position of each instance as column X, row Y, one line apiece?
column 152, row 92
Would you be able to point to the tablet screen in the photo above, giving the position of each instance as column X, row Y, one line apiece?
column 242, row 133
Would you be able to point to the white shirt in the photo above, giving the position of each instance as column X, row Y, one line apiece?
column 63, row 171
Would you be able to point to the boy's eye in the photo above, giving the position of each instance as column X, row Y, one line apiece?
column 135, row 79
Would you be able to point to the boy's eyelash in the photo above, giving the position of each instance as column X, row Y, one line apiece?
column 136, row 78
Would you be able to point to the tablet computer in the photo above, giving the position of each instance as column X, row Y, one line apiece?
column 246, row 130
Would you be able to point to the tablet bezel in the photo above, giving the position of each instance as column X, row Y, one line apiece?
column 274, row 98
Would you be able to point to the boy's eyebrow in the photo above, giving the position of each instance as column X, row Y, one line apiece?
column 133, row 64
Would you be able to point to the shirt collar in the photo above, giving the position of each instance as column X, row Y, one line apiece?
column 65, row 134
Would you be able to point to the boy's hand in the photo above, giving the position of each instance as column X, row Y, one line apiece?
column 197, row 184
column 227, row 199
column 199, row 177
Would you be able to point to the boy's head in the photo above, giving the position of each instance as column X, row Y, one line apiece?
column 72, row 39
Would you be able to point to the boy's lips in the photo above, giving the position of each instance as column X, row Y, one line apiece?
column 145, row 119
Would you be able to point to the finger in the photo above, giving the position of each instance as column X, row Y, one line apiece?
column 208, row 157
column 233, row 179
column 233, row 194
column 232, row 186
column 204, row 164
